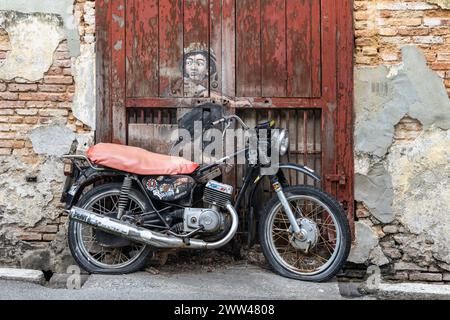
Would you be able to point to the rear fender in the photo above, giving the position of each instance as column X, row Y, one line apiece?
column 87, row 178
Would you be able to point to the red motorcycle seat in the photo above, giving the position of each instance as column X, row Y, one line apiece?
column 138, row 161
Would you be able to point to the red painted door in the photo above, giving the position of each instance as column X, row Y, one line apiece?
column 288, row 59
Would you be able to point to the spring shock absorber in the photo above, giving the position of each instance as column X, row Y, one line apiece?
column 123, row 197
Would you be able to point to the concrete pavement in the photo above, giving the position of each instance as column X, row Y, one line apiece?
column 235, row 282
column 413, row 291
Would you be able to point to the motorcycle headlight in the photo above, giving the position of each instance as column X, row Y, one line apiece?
column 283, row 142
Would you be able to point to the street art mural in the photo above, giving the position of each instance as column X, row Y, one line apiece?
column 199, row 71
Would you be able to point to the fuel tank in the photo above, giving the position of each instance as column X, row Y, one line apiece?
column 169, row 188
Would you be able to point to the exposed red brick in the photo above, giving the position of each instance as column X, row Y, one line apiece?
column 31, row 237
column 22, row 87
column 5, row 151
column 42, row 96
column 11, row 104
column 8, row 96
column 58, row 79
column 45, row 229
column 52, row 88
column 48, row 237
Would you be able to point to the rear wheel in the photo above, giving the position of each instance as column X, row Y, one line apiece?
column 99, row 252
column 319, row 252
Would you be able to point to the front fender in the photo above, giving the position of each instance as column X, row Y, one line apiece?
column 86, row 178
column 303, row 169
column 292, row 166
column 250, row 209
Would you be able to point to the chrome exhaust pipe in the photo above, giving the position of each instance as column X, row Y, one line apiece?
column 145, row 236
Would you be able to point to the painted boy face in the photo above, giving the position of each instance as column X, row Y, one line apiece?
column 196, row 67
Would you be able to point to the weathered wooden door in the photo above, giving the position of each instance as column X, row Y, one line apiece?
column 285, row 59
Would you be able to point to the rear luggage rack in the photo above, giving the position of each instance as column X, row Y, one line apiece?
column 82, row 158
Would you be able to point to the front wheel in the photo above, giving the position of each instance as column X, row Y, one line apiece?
column 322, row 247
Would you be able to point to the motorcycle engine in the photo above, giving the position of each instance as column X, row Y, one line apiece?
column 209, row 219
column 217, row 195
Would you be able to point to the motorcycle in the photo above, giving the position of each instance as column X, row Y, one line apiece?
column 124, row 203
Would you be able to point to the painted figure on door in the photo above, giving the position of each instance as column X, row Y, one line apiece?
column 199, row 69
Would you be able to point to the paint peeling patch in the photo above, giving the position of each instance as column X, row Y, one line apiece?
column 444, row 4
column 376, row 191
column 119, row 20
column 402, row 161
column 52, row 140
column 26, row 204
column 118, row 45
column 61, row 8
column 420, row 174
column 33, row 40
column 384, row 96
column 84, row 74
column 366, row 240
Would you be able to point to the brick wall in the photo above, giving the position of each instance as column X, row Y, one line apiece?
column 382, row 27
column 26, row 105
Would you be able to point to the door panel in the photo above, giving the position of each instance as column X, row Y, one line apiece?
column 303, row 48
column 278, row 48
column 273, row 48
column 171, row 43
column 196, row 49
column 248, row 48
column 170, row 47
column 142, row 61
column 291, row 59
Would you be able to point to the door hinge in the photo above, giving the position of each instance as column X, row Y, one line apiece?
column 340, row 178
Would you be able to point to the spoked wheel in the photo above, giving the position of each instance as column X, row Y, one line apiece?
column 100, row 252
column 322, row 247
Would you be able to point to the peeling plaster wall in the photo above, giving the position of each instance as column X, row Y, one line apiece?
column 62, row 8
column 35, row 29
column 85, row 96
column 402, row 185
column 47, row 103
column 444, row 4
column 30, row 34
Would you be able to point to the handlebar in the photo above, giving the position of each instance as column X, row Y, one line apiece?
column 233, row 116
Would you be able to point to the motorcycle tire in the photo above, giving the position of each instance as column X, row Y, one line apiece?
column 77, row 247
column 341, row 235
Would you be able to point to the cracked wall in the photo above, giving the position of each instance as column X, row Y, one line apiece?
column 402, row 84
column 47, row 102
column 402, row 180
column 444, row 4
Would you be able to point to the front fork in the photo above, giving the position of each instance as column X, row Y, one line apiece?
column 287, row 208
